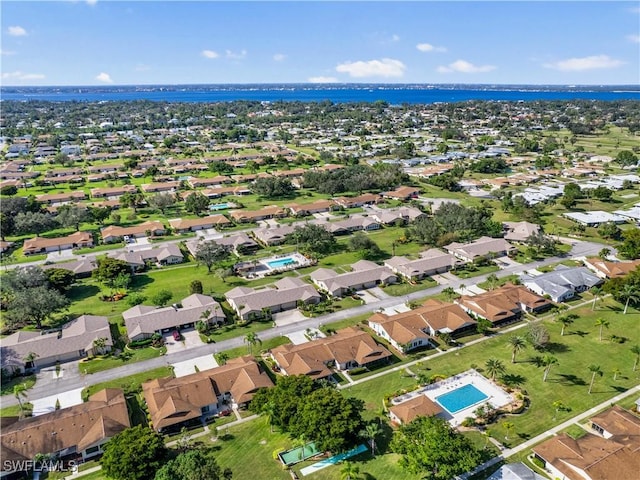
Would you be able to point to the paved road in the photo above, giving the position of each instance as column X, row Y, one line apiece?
column 56, row 386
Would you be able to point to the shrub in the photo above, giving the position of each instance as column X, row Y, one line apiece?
column 140, row 343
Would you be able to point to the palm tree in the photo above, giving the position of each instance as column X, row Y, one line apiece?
column 251, row 339
column 508, row 426
column 630, row 294
column 494, row 368
column 221, row 358
column 604, row 253
column 595, row 370
column 517, row 343
column 596, row 295
column 370, row 432
column 492, row 281
column 602, row 323
column 547, row 362
column 449, row 293
column 29, row 358
column 99, row 344
column 566, row 320
column 636, row 351
column 616, row 371
column 20, row 392
column 350, row 471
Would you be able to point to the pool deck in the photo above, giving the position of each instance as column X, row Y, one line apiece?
column 332, row 460
column 495, row 395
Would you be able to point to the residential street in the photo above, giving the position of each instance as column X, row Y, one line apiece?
column 52, row 386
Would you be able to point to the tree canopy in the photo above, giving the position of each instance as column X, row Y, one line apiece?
column 431, row 447
column 196, row 203
column 109, row 269
column 210, row 253
column 134, row 454
column 312, row 239
column 197, row 464
column 273, row 187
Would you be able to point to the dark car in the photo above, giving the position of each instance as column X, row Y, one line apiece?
column 176, row 335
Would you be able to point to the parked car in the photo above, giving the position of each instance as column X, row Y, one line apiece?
column 176, row 335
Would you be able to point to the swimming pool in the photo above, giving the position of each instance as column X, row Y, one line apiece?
column 461, row 398
column 219, row 206
column 281, row 262
column 296, row 455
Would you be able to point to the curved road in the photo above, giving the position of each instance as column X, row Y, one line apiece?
column 70, row 382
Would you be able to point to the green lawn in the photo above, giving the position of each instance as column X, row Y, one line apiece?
column 260, row 347
column 7, row 387
column 130, row 383
column 106, row 362
column 404, row 288
column 464, row 273
column 14, row 411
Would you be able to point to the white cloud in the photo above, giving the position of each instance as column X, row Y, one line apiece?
column 210, row 54
column 427, row 47
column 16, row 31
column 386, row 67
column 585, row 63
column 7, row 52
column 18, row 75
column 462, row 66
column 279, row 57
column 236, row 55
column 104, row 77
column 634, row 38
column 322, row 79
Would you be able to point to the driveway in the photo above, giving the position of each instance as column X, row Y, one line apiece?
column 445, row 278
column 190, row 339
column 367, row 296
column 208, row 234
column 506, row 262
column 299, row 337
column 288, row 317
column 182, row 369
column 60, row 256
column 377, row 292
column 65, row 399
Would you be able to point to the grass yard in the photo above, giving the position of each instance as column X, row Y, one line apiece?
column 260, row 347
column 14, row 410
column 106, row 362
column 404, row 288
column 7, row 387
column 568, row 381
column 130, row 383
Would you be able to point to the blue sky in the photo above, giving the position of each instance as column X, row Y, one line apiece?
column 177, row 42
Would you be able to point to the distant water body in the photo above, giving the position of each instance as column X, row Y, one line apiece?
column 392, row 94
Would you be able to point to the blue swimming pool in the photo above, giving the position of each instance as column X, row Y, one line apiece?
column 219, row 206
column 281, row 262
column 461, row 398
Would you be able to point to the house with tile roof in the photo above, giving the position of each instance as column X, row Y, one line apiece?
column 80, row 268
column 112, row 193
column 397, row 215
column 419, row 406
column 503, row 305
column 177, row 402
column 431, row 262
column 364, row 274
column 562, row 283
column 186, row 225
column 483, row 247
column 402, row 193
column 244, row 216
column 519, row 232
column 610, row 450
column 607, row 269
column 36, row 245
column 347, row 349
column 273, row 235
column 142, row 321
column 168, row 254
column 68, row 433
column 114, row 233
column 407, row 331
column 319, row 206
column 73, row 341
column 281, row 296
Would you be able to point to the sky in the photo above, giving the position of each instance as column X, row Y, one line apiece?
column 111, row 42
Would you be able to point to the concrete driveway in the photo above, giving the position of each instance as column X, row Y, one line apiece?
column 208, row 234
column 182, row 369
column 190, row 339
column 505, row 262
column 367, row 296
column 60, row 256
column 48, row 404
column 288, row 317
column 298, row 338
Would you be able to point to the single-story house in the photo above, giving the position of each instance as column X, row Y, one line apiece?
column 595, row 218
column 562, row 283
column 37, row 245
column 402, row 193
column 364, row 274
column 176, row 402
column 61, row 198
column 395, row 215
column 607, row 269
column 355, row 223
column 419, row 406
column 243, row 216
column 348, row 348
column 482, row 247
column 270, row 236
column 319, row 206
column 503, row 305
column 76, row 339
column 359, row 201
column 207, row 182
column 432, row 262
column 160, row 187
column 142, row 321
column 515, row 471
column 113, row 233
column 239, row 242
column 609, row 450
column 282, row 295
column 68, row 433
column 414, row 329
column 519, row 232
column 169, row 254
column 194, row 224
column 80, row 268
column 113, row 192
